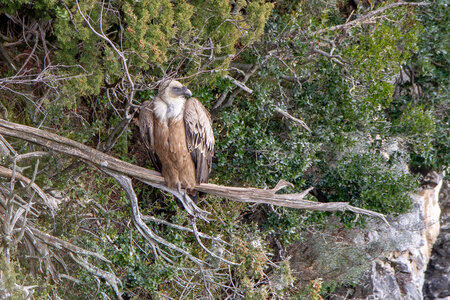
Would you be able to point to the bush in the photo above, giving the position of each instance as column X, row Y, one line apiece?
column 341, row 83
column 368, row 180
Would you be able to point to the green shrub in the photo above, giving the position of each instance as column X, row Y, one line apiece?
column 369, row 181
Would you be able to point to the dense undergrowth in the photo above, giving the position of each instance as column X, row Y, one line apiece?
column 374, row 96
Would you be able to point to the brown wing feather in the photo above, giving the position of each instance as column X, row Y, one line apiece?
column 146, row 129
column 199, row 138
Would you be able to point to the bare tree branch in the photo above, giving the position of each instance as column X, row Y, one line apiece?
column 151, row 237
column 179, row 227
column 337, row 58
column 285, row 114
column 239, row 84
column 5, row 56
column 111, row 164
column 220, row 102
column 60, row 244
column 20, row 232
column 370, row 15
column 110, row 278
column 5, row 172
column 121, row 54
column 199, row 241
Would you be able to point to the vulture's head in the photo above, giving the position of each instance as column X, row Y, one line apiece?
column 172, row 90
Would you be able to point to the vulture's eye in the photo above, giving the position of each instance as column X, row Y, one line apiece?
column 176, row 89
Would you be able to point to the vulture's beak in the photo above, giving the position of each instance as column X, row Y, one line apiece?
column 187, row 92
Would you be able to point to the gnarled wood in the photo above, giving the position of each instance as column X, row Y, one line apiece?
column 153, row 178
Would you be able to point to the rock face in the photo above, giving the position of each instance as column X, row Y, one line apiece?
column 437, row 276
column 382, row 261
column 400, row 273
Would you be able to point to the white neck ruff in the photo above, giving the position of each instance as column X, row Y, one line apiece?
column 164, row 111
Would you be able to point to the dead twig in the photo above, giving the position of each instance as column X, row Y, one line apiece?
column 369, row 16
column 220, row 102
column 197, row 237
column 298, row 121
column 60, row 244
column 116, row 49
column 7, row 173
column 109, row 277
column 179, row 227
column 239, row 84
column 150, row 236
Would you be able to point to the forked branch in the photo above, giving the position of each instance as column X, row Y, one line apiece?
column 147, row 233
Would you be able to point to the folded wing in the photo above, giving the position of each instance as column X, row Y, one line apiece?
column 199, row 138
column 146, row 129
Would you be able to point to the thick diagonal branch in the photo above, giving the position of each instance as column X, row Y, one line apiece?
column 153, row 178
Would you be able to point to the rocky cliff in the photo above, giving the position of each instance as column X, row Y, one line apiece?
column 437, row 276
column 399, row 273
column 380, row 261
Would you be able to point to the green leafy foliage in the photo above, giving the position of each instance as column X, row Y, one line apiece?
column 367, row 180
column 422, row 105
column 253, row 140
column 342, row 83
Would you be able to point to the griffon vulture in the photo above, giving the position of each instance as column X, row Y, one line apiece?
column 178, row 134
